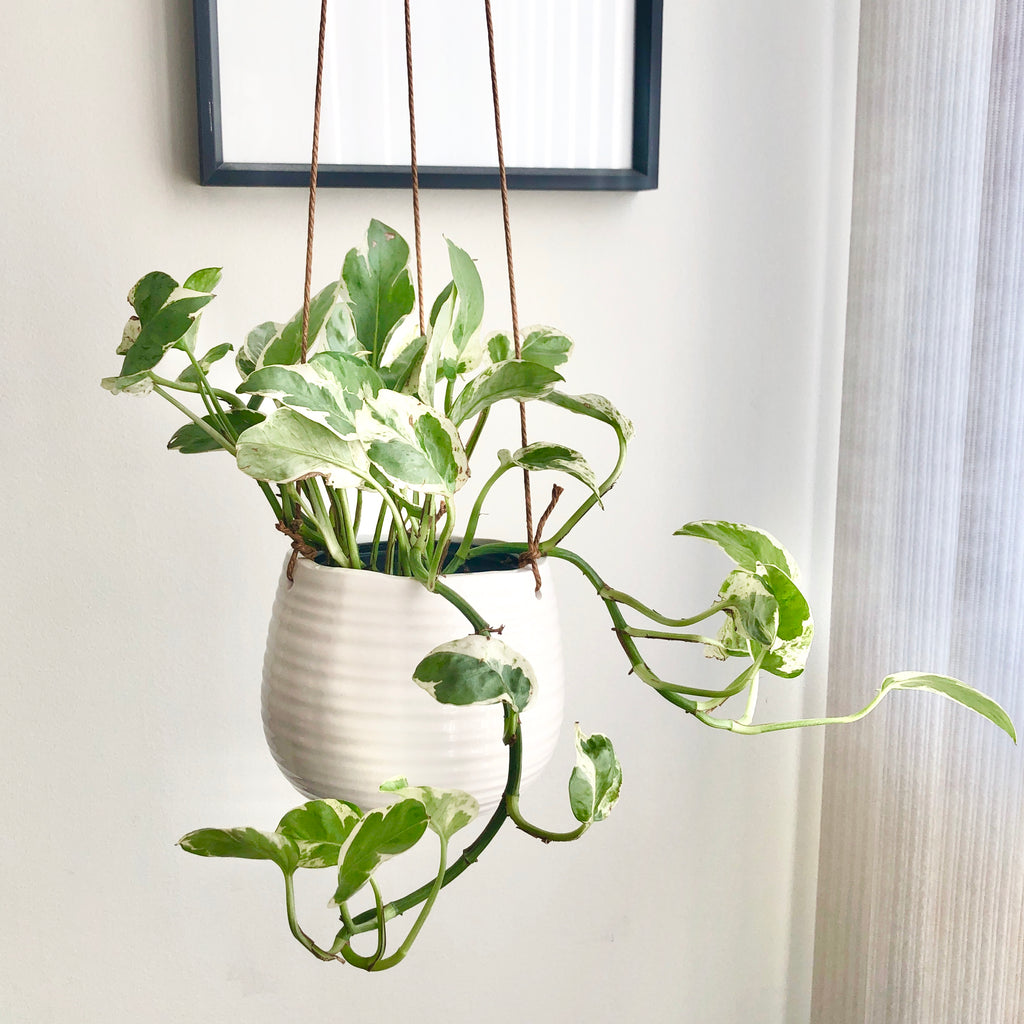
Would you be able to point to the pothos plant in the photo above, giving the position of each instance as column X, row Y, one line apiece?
column 372, row 435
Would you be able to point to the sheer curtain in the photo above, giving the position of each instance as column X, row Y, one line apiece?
column 921, row 876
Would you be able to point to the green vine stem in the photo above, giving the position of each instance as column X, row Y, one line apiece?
column 592, row 499
column 293, row 924
column 543, row 834
column 197, row 420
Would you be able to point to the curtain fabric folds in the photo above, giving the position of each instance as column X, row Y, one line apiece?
column 921, row 876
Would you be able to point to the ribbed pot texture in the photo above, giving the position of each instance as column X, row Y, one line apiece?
column 341, row 712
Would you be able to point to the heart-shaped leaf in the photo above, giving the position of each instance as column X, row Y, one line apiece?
column 542, row 455
column 745, row 545
column 514, row 379
column 412, row 444
column 597, row 778
column 246, row 843
column 379, row 835
column 477, row 670
column 149, row 294
column 547, row 346
column 448, row 810
column 596, row 407
column 380, row 290
column 319, row 828
column 287, row 447
column 325, row 390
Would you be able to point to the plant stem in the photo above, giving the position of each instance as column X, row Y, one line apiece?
column 462, row 553
column 350, row 532
column 478, row 427
column 399, row 955
column 376, row 536
column 197, row 420
column 620, row 597
column 803, row 723
column 441, row 547
column 470, row 855
column 367, row 963
column 293, row 923
column 321, row 517
column 193, row 389
column 592, row 500
column 268, row 493
column 512, row 804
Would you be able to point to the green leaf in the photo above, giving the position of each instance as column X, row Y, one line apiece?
column 441, row 299
column 307, row 388
column 788, row 658
column 414, row 445
column 158, row 334
column 955, row 690
column 426, row 373
column 140, row 383
column 597, row 778
column 398, row 373
column 203, row 280
column 754, row 611
column 499, row 347
column 547, row 346
column 286, row 348
column 379, row 287
column 287, row 447
column 381, row 834
column 448, row 810
column 515, row 379
column 150, row 293
column 246, row 843
column 745, row 545
column 255, row 342
column 319, row 828
column 476, row 670
column 191, row 439
column 542, row 455
column 794, row 612
column 340, row 331
column 189, row 374
column 456, row 355
column 596, row 407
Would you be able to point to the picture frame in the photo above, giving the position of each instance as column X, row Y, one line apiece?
column 261, row 147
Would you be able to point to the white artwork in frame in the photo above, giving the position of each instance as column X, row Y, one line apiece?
column 579, row 83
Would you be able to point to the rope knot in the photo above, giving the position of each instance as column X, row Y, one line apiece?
column 299, row 544
column 532, row 553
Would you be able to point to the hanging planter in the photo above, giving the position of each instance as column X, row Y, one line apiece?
column 360, row 426
column 339, row 713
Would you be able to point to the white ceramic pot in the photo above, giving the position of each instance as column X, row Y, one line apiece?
column 341, row 712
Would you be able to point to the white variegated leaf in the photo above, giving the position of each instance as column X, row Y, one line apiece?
column 448, row 810
column 413, row 444
column 287, row 447
column 477, row 670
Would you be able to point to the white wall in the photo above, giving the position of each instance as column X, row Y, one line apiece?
column 139, row 582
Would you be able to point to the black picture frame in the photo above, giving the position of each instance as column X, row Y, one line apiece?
column 642, row 175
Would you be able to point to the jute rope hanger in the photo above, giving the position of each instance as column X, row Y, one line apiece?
column 532, row 553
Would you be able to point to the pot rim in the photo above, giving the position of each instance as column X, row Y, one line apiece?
column 312, row 565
